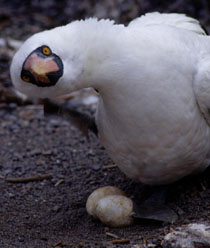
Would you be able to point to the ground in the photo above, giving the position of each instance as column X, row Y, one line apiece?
column 51, row 212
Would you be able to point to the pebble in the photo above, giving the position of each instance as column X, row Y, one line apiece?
column 21, row 238
column 47, row 152
column 96, row 167
column 34, row 152
column 55, row 122
column 12, row 106
column 56, row 208
column 91, row 153
column 17, row 156
column 11, row 195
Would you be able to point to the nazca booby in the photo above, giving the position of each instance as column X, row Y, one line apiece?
column 153, row 79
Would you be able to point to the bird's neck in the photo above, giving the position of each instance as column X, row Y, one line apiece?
column 98, row 47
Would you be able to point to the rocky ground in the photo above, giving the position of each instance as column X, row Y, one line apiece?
column 51, row 212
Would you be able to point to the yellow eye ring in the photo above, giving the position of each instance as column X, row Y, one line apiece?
column 26, row 78
column 46, row 51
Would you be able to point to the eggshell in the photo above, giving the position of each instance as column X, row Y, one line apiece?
column 115, row 210
column 98, row 194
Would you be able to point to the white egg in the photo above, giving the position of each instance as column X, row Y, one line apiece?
column 115, row 210
column 98, row 194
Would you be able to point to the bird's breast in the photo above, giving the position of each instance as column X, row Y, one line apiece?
column 155, row 135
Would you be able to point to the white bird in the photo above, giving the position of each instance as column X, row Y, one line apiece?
column 153, row 78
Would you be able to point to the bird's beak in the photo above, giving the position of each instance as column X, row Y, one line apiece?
column 39, row 67
column 42, row 70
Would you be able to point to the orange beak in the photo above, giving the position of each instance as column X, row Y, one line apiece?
column 40, row 67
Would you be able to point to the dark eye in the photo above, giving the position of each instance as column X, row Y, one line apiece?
column 46, row 50
column 27, row 76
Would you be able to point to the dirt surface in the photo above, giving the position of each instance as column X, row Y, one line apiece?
column 51, row 212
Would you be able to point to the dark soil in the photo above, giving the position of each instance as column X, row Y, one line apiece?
column 51, row 212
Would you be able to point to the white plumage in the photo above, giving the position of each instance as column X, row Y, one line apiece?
column 153, row 77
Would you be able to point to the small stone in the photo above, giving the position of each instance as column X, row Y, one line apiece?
column 47, row 153
column 12, row 106
column 55, row 122
column 35, row 152
column 25, row 123
column 11, row 195
column 96, row 167
column 21, row 238
column 17, row 156
column 151, row 246
column 56, row 208
column 91, row 153
column 40, row 162
column 57, row 161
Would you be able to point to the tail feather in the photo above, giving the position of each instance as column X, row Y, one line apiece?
column 177, row 20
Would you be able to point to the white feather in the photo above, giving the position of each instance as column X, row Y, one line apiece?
column 177, row 20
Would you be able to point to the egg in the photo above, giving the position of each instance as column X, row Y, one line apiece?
column 110, row 205
column 98, row 194
column 115, row 210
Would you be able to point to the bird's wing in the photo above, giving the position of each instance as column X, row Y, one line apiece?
column 201, row 87
column 177, row 20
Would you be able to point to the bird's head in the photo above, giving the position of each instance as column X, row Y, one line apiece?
column 45, row 66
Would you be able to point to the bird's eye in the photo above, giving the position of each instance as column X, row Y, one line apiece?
column 46, row 51
column 26, row 78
